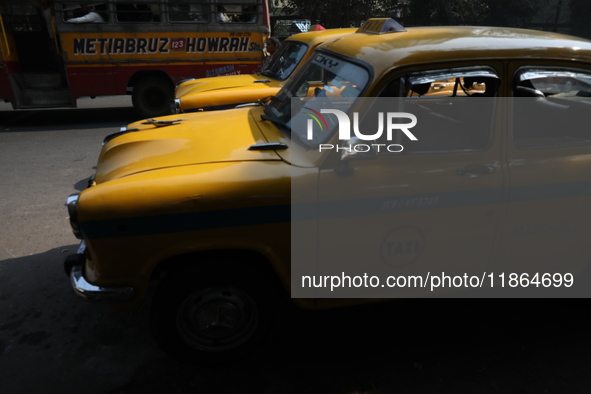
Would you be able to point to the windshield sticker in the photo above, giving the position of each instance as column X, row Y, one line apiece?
column 325, row 61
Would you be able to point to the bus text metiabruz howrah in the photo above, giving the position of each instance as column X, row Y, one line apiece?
column 53, row 52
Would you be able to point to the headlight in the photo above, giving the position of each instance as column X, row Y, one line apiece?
column 72, row 204
column 175, row 106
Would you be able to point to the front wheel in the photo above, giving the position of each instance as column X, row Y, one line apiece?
column 211, row 317
column 151, row 97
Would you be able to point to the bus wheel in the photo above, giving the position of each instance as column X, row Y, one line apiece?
column 152, row 96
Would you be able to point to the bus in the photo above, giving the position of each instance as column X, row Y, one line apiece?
column 54, row 51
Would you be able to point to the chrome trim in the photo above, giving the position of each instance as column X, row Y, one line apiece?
column 72, row 205
column 246, row 105
column 269, row 146
column 81, row 248
column 162, row 123
column 175, row 106
column 92, row 293
column 438, row 75
column 262, row 80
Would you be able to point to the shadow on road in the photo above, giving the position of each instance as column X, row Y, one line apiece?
column 413, row 346
column 66, row 344
column 82, row 184
column 67, row 119
column 406, row 346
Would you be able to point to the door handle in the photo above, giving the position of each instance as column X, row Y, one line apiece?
column 475, row 170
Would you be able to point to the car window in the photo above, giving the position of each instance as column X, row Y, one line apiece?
column 187, row 11
column 550, row 107
column 323, row 79
column 285, row 60
column 454, row 107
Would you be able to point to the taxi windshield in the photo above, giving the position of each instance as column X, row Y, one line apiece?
column 285, row 60
column 324, row 78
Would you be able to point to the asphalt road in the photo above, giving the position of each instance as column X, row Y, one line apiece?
column 48, row 338
column 53, row 342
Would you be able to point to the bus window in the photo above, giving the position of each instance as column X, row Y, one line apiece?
column 131, row 11
column 187, row 11
column 87, row 13
column 250, row 14
column 244, row 11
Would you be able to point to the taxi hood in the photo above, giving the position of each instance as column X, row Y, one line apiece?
column 216, row 83
column 224, row 98
column 177, row 140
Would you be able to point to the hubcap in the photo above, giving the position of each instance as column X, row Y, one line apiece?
column 217, row 319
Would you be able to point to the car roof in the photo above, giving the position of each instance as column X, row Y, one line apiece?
column 319, row 36
column 423, row 45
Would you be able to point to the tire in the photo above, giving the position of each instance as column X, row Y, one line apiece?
column 151, row 97
column 213, row 316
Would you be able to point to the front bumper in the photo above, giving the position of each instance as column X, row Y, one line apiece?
column 74, row 265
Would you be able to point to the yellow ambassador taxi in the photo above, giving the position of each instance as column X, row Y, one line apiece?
column 200, row 205
column 224, row 92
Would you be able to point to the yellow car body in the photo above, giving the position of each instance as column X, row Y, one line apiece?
column 225, row 92
column 214, row 189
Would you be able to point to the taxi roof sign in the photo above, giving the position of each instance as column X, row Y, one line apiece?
column 380, row 26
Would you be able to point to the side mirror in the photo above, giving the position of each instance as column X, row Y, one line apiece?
column 357, row 149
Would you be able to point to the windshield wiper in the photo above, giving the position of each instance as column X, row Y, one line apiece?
column 277, row 122
column 265, row 100
column 294, row 136
column 268, row 73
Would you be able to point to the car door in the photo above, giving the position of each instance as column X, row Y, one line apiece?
column 429, row 210
column 547, row 222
